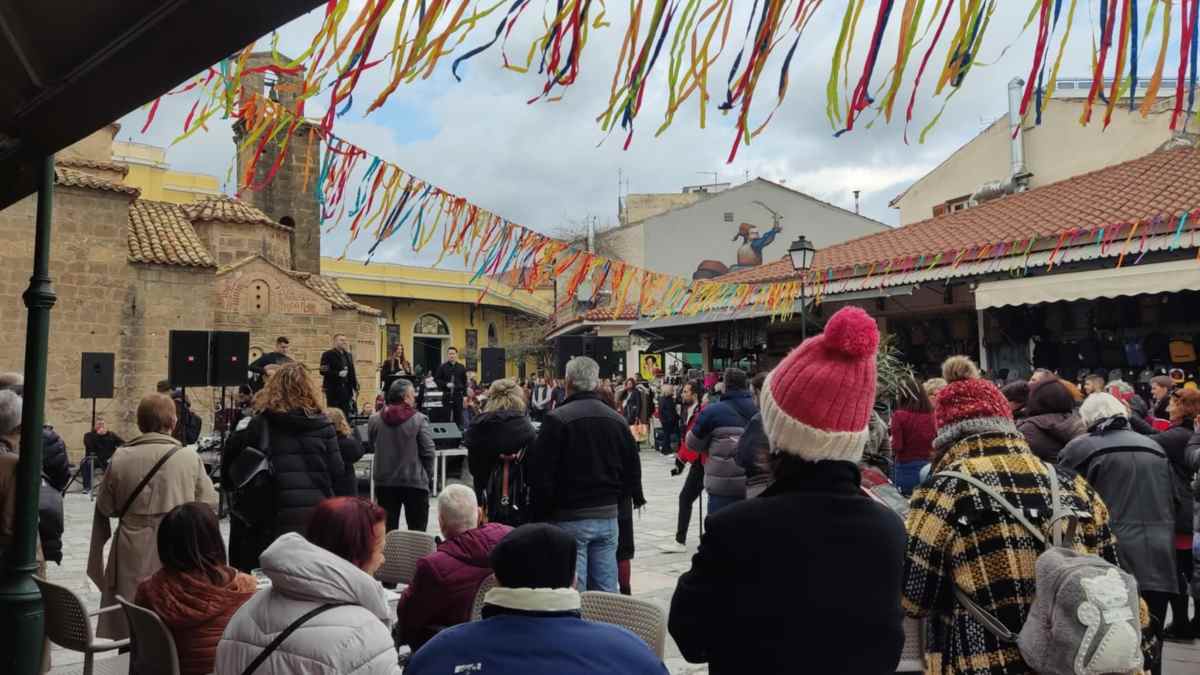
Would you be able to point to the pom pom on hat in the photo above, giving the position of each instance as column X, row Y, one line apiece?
column 817, row 402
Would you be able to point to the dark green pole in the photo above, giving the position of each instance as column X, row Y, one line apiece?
column 22, row 617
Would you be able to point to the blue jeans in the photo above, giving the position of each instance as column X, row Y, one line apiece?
column 595, row 553
column 908, row 475
column 718, row 502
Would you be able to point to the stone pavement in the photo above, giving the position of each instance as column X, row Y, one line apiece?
column 654, row 571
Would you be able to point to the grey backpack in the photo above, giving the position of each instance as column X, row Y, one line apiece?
column 1085, row 618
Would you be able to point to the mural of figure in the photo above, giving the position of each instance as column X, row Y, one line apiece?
column 750, row 254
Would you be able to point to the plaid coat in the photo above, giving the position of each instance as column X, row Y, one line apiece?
column 956, row 535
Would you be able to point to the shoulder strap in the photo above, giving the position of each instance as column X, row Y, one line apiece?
column 1007, row 505
column 146, row 480
column 287, row 632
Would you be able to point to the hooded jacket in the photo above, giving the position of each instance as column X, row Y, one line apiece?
column 403, row 443
column 535, row 631
column 1132, row 474
column 443, row 588
column 501, row 432
column 196, row 611
column 716, row 434
column 351, row 640
column 306, row 464
column 1050, row 421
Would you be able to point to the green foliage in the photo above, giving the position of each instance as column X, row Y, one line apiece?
column 893, row 374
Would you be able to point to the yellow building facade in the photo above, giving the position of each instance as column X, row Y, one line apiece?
column 429, row 310
column 150, row 173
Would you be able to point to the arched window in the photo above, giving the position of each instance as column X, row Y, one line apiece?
column 429, row 324
column 288, row 221
column 256, row 298
column 493, row 338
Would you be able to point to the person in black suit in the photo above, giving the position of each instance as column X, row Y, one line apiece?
column 337, row 370
column 451, row 378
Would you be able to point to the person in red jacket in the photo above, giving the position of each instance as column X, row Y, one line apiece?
column 196, row 592
column 693, row 484
column 913, row 430
column 443, row 588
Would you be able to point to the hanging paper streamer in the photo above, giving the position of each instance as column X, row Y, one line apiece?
column 406, row 40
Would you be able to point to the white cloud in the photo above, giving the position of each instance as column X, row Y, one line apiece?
column 549, row 162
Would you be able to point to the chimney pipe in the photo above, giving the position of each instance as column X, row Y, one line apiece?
column 1016, row 133
column 856, row 192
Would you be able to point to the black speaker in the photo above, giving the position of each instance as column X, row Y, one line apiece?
column 446, row 435
column 230, row 357
column 96, row 375
column 492, row 364
column 187, row 358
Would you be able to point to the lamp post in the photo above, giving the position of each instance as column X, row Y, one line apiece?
column 801, row 252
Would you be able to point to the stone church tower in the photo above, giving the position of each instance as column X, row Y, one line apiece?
column 286, row 198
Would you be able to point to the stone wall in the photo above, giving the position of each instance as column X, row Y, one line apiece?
column 230, row 242
column 267, row 302
column 89, row 274
column 160, row 299
column 288, row 196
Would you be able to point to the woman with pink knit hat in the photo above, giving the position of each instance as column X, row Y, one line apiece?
column 806, row 576
column 960, row 537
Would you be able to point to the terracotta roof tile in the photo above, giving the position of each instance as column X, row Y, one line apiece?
column 160, row 233
column 225, row 209
column 1164, row 183
column 80, row 163
column 628, row 313
column 73, row 178
column 329, row 289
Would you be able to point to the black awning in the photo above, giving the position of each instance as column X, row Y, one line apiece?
column 69, row 67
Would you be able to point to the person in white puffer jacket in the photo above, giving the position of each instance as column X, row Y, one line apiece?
column 336, row 567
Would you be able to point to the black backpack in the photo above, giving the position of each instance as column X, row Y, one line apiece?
column 251, row 480
column 507, row 494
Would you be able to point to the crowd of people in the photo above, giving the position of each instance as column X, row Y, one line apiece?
column 1031, row 526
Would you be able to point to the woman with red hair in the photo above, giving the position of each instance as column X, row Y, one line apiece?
column 322, row 586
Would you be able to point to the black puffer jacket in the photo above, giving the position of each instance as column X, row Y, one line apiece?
column 55, row 465
column 306, row 466
column 352, row 451
column 503, row 432
column 1174, row 441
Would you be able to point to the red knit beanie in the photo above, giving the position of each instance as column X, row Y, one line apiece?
column 967, row 396
column 817, row 402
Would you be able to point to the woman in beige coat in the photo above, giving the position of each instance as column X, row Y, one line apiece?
column 181, row 479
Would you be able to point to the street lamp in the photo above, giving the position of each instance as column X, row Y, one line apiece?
column 801, row 252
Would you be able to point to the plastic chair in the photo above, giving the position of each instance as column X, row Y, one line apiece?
column 644, row 619
column 401, row 551
column 68, row 625
column 484, row 586
column 152, row 649
column 912, row 656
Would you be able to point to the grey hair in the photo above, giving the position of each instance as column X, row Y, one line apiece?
column 398, row 391
column 583, row 374
column 10, row 412
column 458, row 509
column 1099, row 406
column 13, row 382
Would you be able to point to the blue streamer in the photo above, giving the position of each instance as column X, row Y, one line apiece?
column 478, row 50
column 1133, row 53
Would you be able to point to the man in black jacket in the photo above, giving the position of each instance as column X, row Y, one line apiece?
column 262, row 367
column 337, row 370
column 583, row 461
column 451, row 378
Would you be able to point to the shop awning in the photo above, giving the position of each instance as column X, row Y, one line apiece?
column 1168, row 277
column 719, row 315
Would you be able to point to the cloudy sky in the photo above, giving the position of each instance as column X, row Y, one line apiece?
column 549, row 163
